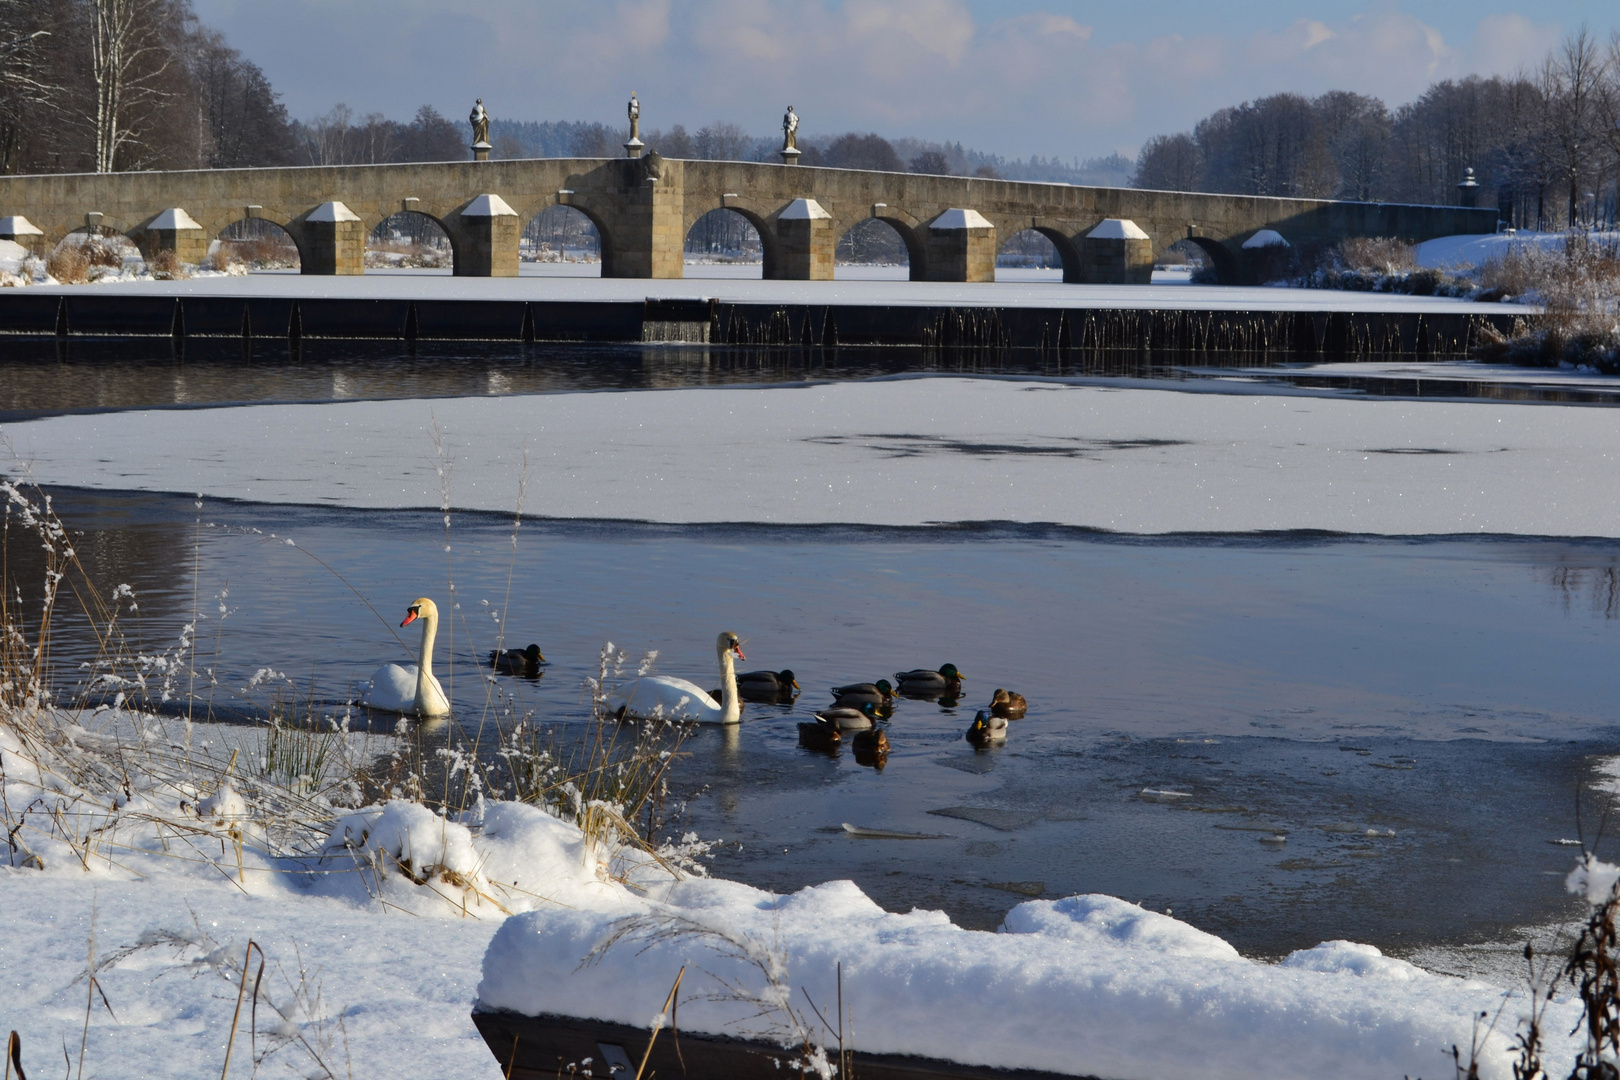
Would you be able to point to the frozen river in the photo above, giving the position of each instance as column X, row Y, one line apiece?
column 1369, row 725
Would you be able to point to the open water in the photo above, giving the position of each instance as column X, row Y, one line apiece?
column 1415, row 718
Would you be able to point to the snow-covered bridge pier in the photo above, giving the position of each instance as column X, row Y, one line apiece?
column 643, row 208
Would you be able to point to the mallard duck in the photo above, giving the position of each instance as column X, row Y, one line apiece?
column 1008, row 704
column 855, row 695
column 923, row 682
column 871, row 748
column 850, row 719
column 767, row 685
column 517, row 661
column 987, row 730
column 815, row 735
column 873, row 739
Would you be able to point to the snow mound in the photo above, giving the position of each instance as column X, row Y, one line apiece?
column 1107, row 921
column 1089, row 985
column 1347, row 957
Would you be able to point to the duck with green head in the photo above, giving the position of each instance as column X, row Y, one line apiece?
column 928, row 683
column 853, row 696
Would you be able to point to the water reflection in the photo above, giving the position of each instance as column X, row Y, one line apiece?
column 46, row 376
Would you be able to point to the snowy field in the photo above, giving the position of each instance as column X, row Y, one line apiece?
column 1205, row 457
column 1462, row 252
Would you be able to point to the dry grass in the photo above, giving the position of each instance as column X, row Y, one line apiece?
column 166, row 266
column 1378, row 254
column 69, row 264
column 386, row 253
column 1578, row 291
column 274, row 251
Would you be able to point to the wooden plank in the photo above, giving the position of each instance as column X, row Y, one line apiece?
column 544, row 1047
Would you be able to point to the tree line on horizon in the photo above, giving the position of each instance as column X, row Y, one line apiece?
column 1544, row 145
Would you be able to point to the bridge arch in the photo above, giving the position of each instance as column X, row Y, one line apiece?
column 1227, row 270
column 558, row 230
column 712, row 232
column 882, row 240
column 260, row 244
column 1051, row 246
column 411, row 238
column 77, row 256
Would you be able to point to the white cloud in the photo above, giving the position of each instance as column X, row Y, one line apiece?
column 1035, row 82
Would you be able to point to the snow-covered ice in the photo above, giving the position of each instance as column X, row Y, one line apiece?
column 1209, row 456
column 885, row 286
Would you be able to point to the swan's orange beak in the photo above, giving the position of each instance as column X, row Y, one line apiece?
column 410, row 617
column 738, row 650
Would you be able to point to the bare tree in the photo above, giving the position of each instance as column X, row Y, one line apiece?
column 25, row 91
column 127, row 62
column 1168, row 163
column 1572, row 81
column 721, row 141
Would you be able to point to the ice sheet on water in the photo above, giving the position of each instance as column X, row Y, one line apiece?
column 1151, row 461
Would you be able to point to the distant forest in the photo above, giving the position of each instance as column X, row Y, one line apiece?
column 1544, row 145
column 112, row 85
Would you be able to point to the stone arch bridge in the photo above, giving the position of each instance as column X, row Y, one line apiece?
column 644, row 207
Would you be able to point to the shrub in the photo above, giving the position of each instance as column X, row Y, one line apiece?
column 1578, row 289
column 69, row 264
column 1378, row 254
column 166, row 266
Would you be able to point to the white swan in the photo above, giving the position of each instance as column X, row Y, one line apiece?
column 660, row 697
column 409, row 688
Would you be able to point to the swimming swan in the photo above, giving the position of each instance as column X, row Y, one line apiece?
column 409, row 688
column 654, row 697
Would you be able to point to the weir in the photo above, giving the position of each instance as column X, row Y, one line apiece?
column 88, row 313
column 643, row 208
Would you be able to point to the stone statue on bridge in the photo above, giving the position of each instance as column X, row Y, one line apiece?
column 479, row 119
column 790, row 138
column 634, row 147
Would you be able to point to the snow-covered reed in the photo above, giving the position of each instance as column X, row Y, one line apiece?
column 1576, row 286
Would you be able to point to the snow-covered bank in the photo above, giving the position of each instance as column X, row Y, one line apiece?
column 386, row 912
column 1087, row 985
column 376, row 915
column 1460, row 252
column 890, row 452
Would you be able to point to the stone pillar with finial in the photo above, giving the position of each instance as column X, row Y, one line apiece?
column 1468, row 190
column 634, row 147
column 479, row 119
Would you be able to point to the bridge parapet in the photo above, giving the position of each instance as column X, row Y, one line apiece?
column 643, row 208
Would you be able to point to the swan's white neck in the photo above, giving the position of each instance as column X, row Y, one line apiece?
column 424, row 669
column 730, row 711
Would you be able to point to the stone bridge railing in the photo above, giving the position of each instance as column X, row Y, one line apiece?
column 643, row 208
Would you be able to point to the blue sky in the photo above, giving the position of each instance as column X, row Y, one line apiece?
column 1014, row 77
